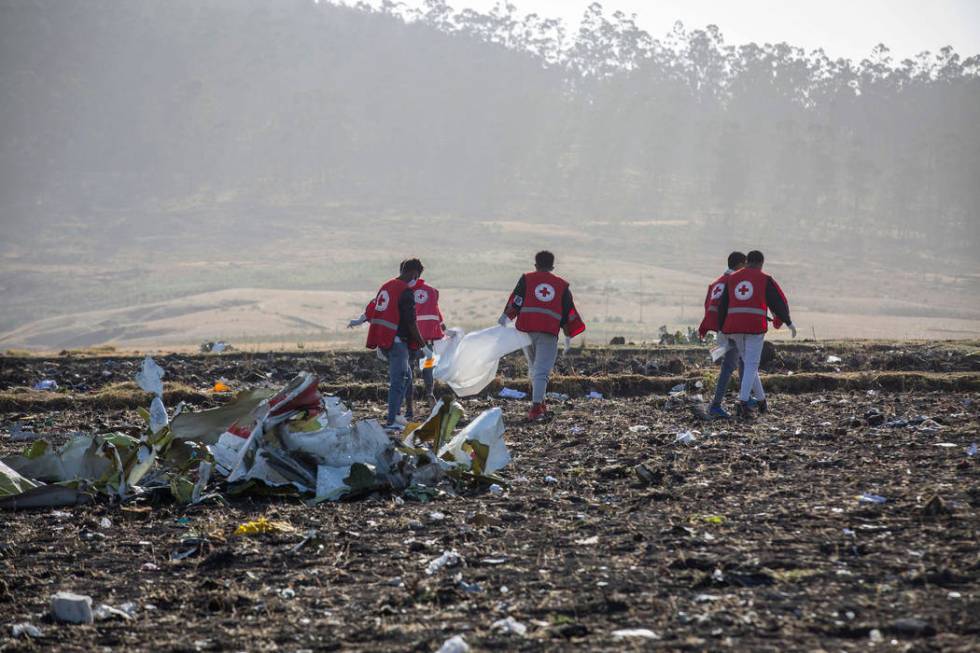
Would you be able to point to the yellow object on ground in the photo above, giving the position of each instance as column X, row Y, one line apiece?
column 263, row 525
column 221, row 386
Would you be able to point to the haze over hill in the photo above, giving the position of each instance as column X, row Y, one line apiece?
column 167, row 168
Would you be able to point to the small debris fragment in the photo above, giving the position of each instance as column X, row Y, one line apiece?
column 25, row 630
column 455, row 644
column 448, row 559
column 633, row 633
column 509, row 626
column 72, row 608
column 871, row 498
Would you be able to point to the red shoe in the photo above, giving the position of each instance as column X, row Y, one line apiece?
column 538, row 413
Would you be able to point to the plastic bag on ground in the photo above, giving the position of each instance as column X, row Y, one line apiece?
column 469, row 363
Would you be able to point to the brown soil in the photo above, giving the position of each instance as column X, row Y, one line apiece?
column 752, row 538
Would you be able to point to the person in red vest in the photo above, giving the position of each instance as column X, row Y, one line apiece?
column 542, row 305
column 743, row 314
column 395, row 333
column 736, row 261
column 432, row 327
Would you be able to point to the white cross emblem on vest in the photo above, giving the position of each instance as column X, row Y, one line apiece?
column 744, row 291
column 717, row 290
column 421, row 296
column 381, row 303
column 545, row 292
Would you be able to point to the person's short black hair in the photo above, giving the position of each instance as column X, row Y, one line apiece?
column 756, row 258
column 735, row 259
column 544, row 260
column 411, row 265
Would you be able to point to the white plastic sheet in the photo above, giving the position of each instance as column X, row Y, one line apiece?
column 468, row 363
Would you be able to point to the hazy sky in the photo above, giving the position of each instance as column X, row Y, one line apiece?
column 843, row 28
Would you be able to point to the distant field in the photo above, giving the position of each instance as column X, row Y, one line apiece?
column 180, row 281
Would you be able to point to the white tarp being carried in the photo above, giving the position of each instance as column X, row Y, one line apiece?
column 468, row 363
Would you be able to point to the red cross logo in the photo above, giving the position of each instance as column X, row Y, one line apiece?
column 744, row 291
column 545, row 292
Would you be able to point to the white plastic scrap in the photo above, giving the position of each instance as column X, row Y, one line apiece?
column 834, row 359
column 687, row 437
column 509, row 626
column 634, row 633
column 455, row 644
column 72, row 608
column 25, row 630
column 448, row 559
column 639, row 428
column 150, row 377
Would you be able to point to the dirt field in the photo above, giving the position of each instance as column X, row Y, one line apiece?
column 750, row 538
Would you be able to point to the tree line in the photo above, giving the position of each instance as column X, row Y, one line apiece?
column 114, row 105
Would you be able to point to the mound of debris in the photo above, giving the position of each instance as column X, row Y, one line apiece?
column 294, row 441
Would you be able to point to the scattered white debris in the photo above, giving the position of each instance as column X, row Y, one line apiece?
column 687, row 437
column 634, row 633
column 588, row 541
column 509, row 626
column 25, row 630
column 72, row 608
column 496, row 490
column 448, row 559
column 455, row 644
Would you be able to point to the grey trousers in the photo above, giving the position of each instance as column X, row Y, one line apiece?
column 541, row 356
column 749, row 347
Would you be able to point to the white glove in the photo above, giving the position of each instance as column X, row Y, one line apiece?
column 357, row 322
column 567, row 345
column 502, row 320
column 792, row 330
column 427, row 351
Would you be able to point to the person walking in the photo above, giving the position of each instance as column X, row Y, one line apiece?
column 432, row 327
column 542, row 306
column 717, row 288
column 395, row 333
column 743, row 317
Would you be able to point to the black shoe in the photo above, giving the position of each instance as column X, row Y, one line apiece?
column 763, row 406
column 743, row 411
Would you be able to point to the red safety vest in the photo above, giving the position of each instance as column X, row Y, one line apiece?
column 384, row 315
column 541, row 309
column 711, row 301
column 747, row 307
column 427, row 313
